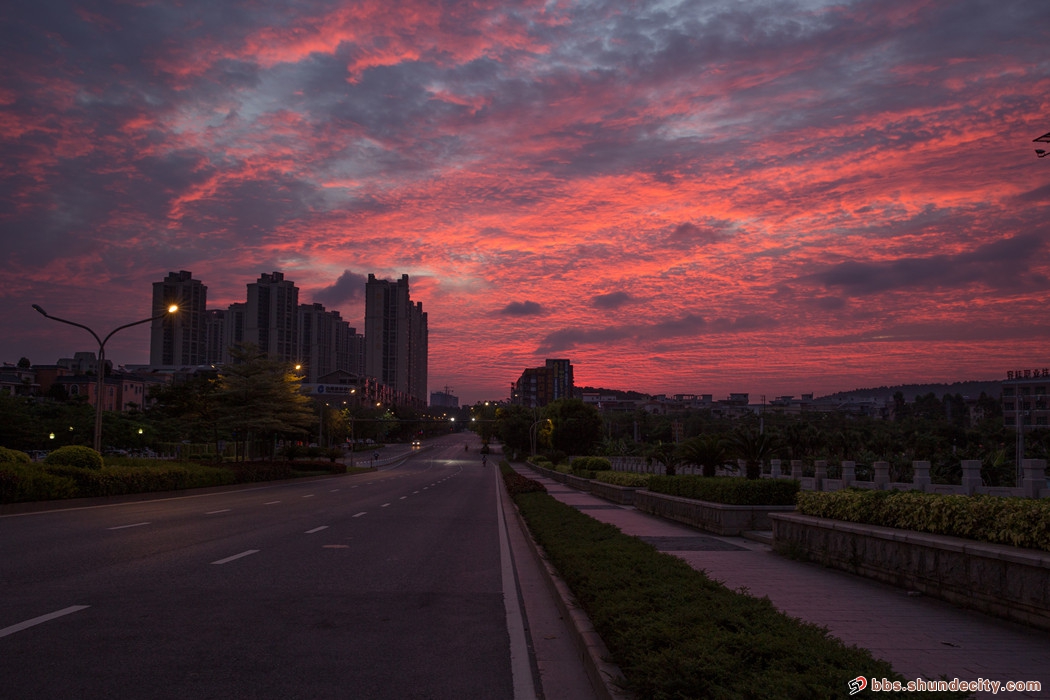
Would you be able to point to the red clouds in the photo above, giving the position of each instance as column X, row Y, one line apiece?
column 678, row 198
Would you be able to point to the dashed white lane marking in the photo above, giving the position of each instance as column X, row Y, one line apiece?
column 384, row 505
column 309, row 495
column 402, row 498
column 124, row 527
column 214, row 512
column 358, row 515
column 316, row 529
column 43, row 618
column 271, row 503
column 235, row 557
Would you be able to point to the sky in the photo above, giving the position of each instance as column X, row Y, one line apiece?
column 774, row 197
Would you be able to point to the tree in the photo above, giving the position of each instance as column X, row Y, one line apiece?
column 575, row 426
column 24, row 363
column 666, row 453
column 260, row 397
column 754, row 448
column 705, row 451
column 512, row 427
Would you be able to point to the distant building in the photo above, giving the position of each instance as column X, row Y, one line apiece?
column 179, row 338
column 443, row 399
column 1025, row 399
column 271, row 316
column 396, row 337
column 327, row 343
column 539, row 386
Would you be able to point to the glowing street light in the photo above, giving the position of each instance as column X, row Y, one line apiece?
column 102, row 358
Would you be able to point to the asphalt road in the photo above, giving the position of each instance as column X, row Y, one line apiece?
column 383, row 585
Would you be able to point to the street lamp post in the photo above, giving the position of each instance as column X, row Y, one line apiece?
column 102, row 359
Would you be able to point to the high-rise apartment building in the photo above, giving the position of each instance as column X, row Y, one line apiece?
column 538, row 386
column 328, row 343
column 395, row 337
column 179, row 339
column 271, row 316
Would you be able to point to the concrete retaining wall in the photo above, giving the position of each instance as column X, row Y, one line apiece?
column 719, row 518
column 1008, row 582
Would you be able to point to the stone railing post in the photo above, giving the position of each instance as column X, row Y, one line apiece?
column 849, row 474
column 820, row 473
column 796, row 469
column 882, row 474
column 774, row 468
column 1034, row 477
column 921, row 478
column 971, row 476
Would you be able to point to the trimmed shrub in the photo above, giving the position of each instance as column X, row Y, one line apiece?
column 9, row 455
column 730, row 490
column 26, row 482
column 518, row 484
column 75, row 456
column 623, row 478
column 1018, row 522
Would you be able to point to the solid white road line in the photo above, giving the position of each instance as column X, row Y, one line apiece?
column 235, row 557
column 43, row 618
column 520, row 665
column 124, row 527
column 316, row 529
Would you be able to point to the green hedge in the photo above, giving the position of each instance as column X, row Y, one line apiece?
column 1019, row 522
column 20, row 482
column 74, row 456
column 9, row 455
column 730, row 490
column 675, row 633
column 624, row 478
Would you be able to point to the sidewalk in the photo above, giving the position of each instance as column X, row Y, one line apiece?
column 919, row 636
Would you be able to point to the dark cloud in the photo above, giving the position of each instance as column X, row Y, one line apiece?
column 687, row 326
column 349, row 287
column 523, row 308
column 613, row 300
column 1001, row 265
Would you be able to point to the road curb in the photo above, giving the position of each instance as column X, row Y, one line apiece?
column 606, row 678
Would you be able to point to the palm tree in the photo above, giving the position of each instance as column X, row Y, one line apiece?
column 754, row 448
column 666, row 453
column 705, row 451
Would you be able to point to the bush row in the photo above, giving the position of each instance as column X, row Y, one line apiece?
column 623, row 478
column 674, row 632
column 1019, row 522
column 41, row 482
column 730, row 490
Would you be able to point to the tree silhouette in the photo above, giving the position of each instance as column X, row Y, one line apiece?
column 260, row 397
column 754, row 448
column 705, row 451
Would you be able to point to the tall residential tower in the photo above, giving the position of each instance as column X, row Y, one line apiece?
column 395, row 337
column 179, row 339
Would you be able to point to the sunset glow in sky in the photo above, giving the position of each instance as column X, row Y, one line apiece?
column 682, row 197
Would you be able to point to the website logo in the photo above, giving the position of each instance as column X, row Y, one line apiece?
column 857, row 684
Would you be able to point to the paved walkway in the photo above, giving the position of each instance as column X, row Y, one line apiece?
column 919, row 636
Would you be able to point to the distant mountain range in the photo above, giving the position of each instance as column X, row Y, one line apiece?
column 971, row 389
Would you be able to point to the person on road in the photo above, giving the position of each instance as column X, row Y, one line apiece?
column 484, row 460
